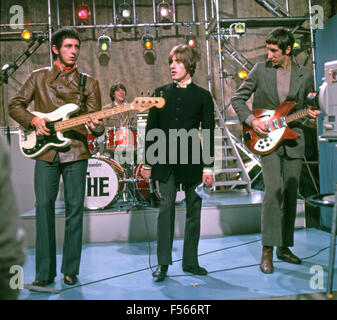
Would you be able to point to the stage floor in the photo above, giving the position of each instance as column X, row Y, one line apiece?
column 122, row 271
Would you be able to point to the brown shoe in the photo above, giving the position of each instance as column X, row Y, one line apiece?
column 284, row 253
column 266, row 264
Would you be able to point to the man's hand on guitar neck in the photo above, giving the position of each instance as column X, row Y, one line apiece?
column 259, row 127
column 313, row 113
column 93, row 123
column 40, row 125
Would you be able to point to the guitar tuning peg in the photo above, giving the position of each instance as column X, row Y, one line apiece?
column 148, row 93
column 141, row 93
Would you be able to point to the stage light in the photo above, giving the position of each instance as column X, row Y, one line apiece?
column 26, row 35
column 83, row 14
column 164, row 12
column 191, row 40
column 242, row 74
column 125, row 13
column 149, row 53
column 104, row 43
column 240, row 28
column 297, row 45
column 147, row 42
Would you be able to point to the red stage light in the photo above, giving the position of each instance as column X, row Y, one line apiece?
column 191, row 40
column 83, row 14
column 191, row 43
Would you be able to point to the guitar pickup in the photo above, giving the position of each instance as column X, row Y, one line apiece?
column 275, row 124
column 283, row 122
column 268, row 127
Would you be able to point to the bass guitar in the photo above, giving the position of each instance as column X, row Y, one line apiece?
column 277, row 124
column 32, row 145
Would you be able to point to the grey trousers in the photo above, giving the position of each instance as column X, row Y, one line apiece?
column 281, row 176
column 46, row 184
column 166, row 219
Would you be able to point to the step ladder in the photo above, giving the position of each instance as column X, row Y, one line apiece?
column 229, row 169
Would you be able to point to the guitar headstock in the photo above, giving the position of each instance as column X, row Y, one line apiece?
column 145, row 103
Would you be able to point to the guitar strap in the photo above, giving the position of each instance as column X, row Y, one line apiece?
column 81, row 86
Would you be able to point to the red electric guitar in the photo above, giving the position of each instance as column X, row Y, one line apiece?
column 278, row 130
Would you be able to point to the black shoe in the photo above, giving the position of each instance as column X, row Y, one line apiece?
column 42, row 283
column 160, row 273
column 70, row 279
column 195, row 270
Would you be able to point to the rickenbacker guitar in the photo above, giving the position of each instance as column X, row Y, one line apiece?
column 32, row 145
column 277, row 124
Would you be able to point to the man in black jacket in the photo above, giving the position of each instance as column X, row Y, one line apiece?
column 173, row 156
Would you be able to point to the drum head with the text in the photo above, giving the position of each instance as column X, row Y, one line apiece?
column 101, row 184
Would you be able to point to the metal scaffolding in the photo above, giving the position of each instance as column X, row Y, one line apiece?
column 217, row 29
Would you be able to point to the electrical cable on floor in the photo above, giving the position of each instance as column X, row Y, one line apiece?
column 184, row 275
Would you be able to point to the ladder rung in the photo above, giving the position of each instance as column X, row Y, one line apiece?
column 230, row 183
column 227, row 170
column 229, row 158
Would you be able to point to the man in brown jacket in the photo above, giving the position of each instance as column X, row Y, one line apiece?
column 50, row 88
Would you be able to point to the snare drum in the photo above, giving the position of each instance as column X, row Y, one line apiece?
column 124, row 138
column 104, row 182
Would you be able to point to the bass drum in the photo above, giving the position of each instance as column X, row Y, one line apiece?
column 105, row 180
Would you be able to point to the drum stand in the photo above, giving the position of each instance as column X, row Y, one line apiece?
column 129, row 194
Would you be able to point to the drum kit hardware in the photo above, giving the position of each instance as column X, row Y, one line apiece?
column 111, row 183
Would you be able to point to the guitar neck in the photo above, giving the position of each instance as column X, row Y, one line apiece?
column 297, row 115
column 73, row 122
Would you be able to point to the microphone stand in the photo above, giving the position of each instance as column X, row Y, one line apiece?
column 8, row 69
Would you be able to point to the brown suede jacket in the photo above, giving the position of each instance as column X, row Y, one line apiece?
column 50, row 88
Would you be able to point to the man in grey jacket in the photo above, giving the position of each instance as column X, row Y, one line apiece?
column 274, row 81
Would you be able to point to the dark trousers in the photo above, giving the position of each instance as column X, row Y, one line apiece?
column 166, row 218
column 281, row 176
column 46, row 182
